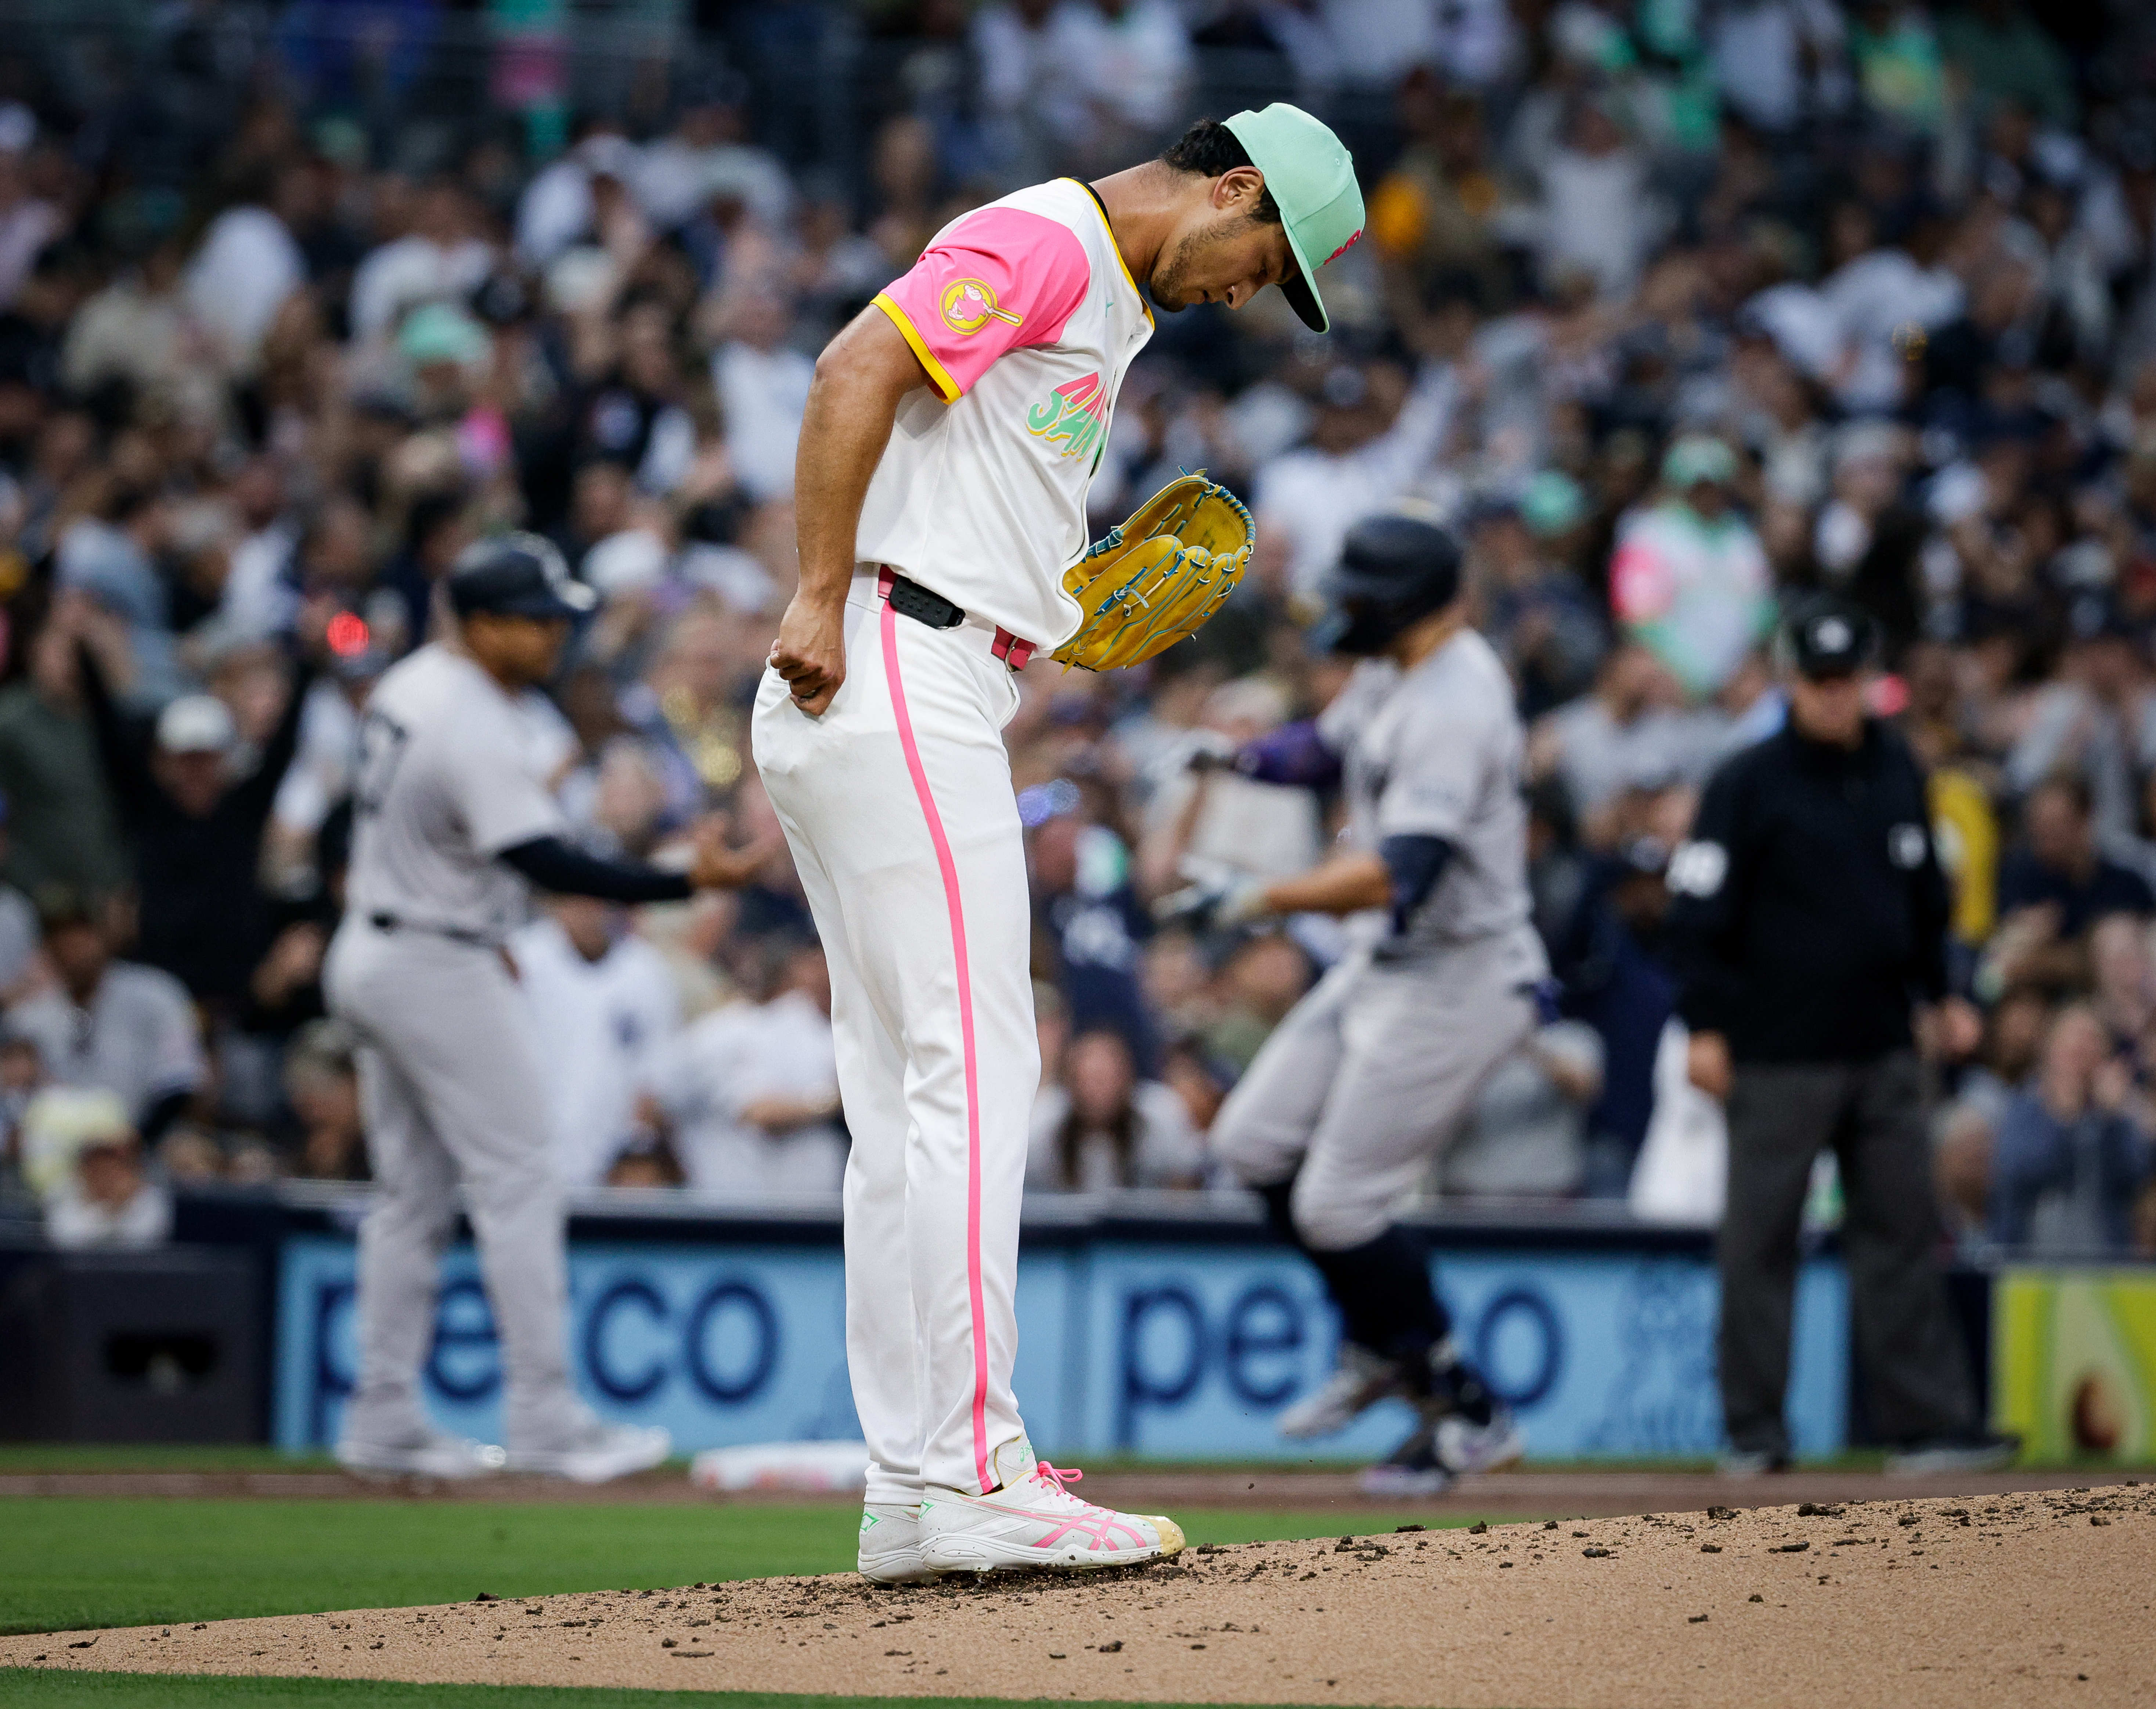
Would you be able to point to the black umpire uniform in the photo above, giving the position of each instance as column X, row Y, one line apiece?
column 1809, row 918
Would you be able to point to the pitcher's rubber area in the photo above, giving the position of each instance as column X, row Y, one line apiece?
column 2013, row 1600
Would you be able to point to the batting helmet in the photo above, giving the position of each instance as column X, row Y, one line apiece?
column 519, row 575
column 1393, row 570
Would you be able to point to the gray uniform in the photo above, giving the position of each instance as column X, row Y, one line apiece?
column 450, row 1071
column 1374, row 1072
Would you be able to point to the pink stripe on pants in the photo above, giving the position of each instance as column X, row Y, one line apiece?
column 888, row 623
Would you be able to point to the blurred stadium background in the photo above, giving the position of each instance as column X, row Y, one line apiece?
column 297, row 300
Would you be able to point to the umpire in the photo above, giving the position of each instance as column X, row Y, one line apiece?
column 1808, row 921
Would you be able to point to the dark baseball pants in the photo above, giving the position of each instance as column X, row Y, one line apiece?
column 1872, row 1114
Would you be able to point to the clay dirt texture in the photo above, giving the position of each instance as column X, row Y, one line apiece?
column 2031, row 1599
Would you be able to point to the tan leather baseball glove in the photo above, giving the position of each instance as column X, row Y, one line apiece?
column 1156, row 580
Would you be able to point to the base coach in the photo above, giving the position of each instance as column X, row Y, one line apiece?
column 1809, row 922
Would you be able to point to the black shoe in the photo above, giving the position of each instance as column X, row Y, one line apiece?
column 1412, row 1469
column 1751, row 1462
column 1964, row 1450
column 1454, row 1387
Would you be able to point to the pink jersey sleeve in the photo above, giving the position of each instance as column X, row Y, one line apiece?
column 1001, row 280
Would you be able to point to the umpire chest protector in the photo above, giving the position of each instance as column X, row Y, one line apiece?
column 1813, row 899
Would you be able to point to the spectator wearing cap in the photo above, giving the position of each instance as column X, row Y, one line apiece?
column 196, row 821
column 1689, row 579
column 1809, row 922
column 82, row 1154
column 111, row 1025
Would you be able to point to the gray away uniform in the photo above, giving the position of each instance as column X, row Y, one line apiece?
column 1376, row 1069
column 449, row 1078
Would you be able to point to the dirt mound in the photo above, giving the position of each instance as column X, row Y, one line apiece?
column 2015, row 1599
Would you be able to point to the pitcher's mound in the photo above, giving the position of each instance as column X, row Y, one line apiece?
column 2013, row 1600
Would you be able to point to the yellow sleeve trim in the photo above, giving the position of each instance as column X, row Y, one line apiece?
column 949, row 389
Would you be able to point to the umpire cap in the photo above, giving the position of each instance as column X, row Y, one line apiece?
column 516, row 575
column 1394, row 570
column 1826, row 636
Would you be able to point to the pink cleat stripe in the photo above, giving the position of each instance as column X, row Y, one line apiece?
column 956, row 908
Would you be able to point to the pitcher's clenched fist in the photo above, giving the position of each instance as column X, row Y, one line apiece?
column 810, row 653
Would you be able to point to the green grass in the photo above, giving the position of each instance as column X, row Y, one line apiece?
column 70, row 1563
column 19, row 1458
column 37, row 1688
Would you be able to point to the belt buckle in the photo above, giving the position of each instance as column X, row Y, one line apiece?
column 1011, row 650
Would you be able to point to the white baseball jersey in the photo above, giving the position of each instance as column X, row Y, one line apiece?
column 1025, row 318
column 446, row 783
column 600, row 1024
column 725, row 1061
column 1436, row 752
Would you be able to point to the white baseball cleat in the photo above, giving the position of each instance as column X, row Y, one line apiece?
column 424, row 1453
column 1358, row 1383
column 1033, row 1521
column 1466, row 1449
column 890, row 1545
column 594, row 1452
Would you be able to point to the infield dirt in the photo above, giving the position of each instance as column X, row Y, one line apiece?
column 2021, row 1599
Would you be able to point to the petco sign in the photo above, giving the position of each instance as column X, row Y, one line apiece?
column 1167, row 1351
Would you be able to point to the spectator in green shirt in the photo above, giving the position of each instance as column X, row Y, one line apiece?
column 2005, row 55
column 61, row 822
column 1897, row 64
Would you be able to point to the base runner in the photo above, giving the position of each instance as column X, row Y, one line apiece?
column 1372, row 1073
column 951, row 434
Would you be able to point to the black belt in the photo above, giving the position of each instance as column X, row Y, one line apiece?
column 924, row 605
column 455, row 934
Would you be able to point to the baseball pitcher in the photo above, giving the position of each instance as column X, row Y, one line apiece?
column 1375, row 1070
column 951, row 434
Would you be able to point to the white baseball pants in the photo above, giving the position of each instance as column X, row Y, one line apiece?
column 1369, row 1077
column 449, row 1087
column 898, row 803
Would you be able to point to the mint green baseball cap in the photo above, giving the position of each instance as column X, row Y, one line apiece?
column 1312, row 176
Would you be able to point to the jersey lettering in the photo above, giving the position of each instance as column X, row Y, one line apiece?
column 382, row 744
column 1075, row 413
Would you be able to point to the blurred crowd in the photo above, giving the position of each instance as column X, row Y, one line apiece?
column 1674, row 307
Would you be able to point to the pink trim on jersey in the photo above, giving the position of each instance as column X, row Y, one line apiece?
column 949, row 869
column 1001, row 279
